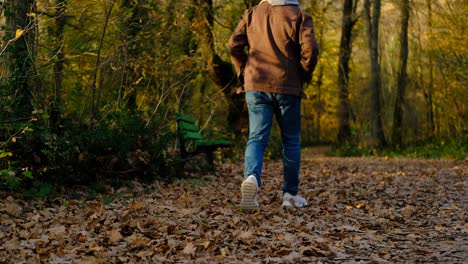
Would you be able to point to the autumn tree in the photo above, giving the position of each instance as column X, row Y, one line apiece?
column 344, row 110
column 402, row 75
column 95, row 89
column 318, row 93
column 428, row 93
column 136, row 17
column 372, row 21
column 59, row 53
column 219, row 70
column 20, row 51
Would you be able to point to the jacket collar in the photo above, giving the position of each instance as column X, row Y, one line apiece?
column 282, row 2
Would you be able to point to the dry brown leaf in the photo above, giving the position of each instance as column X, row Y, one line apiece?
column 137, row 241
column 246, row 234
column 293, row 257
column 115, row 236
column 190, row 249
column 460, row 185
column 11, row 244
column 225, row 252
column 93, row 247
column 11, row 207
column 144, row 253
column 283, row 251
column 206, row 244
column 137, row 205
column 82, row 237
column 332, row 199
column 173, row 243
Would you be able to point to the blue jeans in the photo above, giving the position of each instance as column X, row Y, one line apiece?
column 287, row 110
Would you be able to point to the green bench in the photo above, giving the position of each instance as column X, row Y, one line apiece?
column 192, row 143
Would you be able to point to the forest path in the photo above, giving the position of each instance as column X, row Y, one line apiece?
column 362, row 210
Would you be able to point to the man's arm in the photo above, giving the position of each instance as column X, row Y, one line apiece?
column 237, row 44
column 309, row 47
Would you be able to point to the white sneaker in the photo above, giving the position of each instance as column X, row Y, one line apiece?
column 293, row 201
column 249, row 191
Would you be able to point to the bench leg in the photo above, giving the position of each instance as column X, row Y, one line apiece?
column 210, row 159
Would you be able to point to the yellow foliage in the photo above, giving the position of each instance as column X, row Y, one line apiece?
column 18, row 33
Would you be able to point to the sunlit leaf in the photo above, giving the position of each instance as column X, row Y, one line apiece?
column 4, row 154
column 18, row 33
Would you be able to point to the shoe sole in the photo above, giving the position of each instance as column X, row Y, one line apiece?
column 249, row 190
column 292, row 204
column 287, row 206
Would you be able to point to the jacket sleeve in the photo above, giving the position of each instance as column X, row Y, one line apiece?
column 309, row 47
column 237, row 44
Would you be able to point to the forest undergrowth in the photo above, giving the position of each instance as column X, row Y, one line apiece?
column 362, row 210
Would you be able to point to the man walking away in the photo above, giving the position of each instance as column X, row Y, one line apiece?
column 274, row 52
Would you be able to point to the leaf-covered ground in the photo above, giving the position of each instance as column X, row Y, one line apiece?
column 362, row 210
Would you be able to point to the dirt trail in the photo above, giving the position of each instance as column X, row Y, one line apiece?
column 362, row 210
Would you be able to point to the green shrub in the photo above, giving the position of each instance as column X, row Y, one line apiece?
column 350, row 150
column 120, row 147
column 453, row 148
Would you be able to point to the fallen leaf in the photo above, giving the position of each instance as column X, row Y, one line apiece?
column 246, row 234
column 293, row 256
column 11, row 244
column 190, row 249
column 115, row 236
column 225, row 251
column 137, row 241
column 136, row 205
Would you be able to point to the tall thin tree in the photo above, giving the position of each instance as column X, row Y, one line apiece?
column 373, row 20
column 429, row 93
column 21, row 53
column 97, row 69
column 344, row 109
column 55, row 110
column 402, row 76
column 132, row 26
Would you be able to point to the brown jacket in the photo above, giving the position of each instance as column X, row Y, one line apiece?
column 282, row 50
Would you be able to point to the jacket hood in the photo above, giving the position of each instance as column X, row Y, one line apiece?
column 282, row 2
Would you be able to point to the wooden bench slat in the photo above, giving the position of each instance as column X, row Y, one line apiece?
column 192, row 135
column 183, row 126
column 186, row 118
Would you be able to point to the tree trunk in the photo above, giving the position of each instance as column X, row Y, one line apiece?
column 373, row 41
column 319, row 105
column 402, row 76
column 21, row 27
column 132, row 26
column 55, row 110
column 220, row 71
column 98, row 68
column 430, row 89
column 344, row 109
